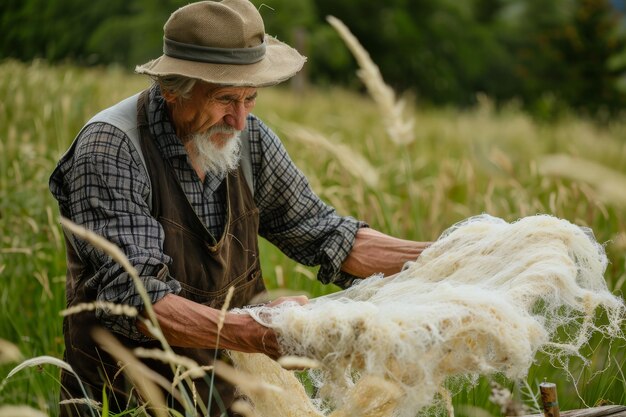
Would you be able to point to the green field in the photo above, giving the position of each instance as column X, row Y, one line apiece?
column 459, row 164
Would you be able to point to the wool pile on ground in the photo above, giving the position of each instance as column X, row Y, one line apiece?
column 485, row 298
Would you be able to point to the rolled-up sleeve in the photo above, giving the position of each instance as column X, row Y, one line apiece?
column 103, row 187
column 293, row 217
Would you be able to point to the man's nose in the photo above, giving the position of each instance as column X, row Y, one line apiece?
column 236, row 116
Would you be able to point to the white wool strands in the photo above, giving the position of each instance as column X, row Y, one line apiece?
column 483, row 299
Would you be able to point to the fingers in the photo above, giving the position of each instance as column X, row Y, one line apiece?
column 299, row 299
column 269, row 340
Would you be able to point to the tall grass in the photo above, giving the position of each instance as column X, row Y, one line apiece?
column 460, row 163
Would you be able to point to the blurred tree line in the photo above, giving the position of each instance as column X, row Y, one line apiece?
column 550, row 56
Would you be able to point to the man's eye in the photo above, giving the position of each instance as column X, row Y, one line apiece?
column 227, row 101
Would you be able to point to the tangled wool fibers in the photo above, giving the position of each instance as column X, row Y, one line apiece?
column 483, row 299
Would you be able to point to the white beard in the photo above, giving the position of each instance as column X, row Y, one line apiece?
column 216, row 158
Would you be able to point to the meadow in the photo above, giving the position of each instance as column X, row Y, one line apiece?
column 451, row 165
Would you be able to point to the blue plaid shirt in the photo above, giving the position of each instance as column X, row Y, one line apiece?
column 103, row 186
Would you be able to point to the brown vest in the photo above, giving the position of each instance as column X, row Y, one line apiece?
column 205, row 271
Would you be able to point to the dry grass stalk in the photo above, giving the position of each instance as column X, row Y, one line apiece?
column 9, row 352
column 304, row 271
column 222, row 316
column 353, row 162
column 25, row 251
column 54, row 230
column 280, row 276
column 112, row 308
column 39, row 360
column 400, row 131
column 194, row 395
column 20, row 411
column 152, row 324
column 144, row 379
column 44, row 280
column 189, row 373
column 99, row 242
column 119, row 257
column 607, row 183
column 83, row 401
column 192, row 367
column 42, row 360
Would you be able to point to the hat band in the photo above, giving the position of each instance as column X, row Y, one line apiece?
column 190, row 52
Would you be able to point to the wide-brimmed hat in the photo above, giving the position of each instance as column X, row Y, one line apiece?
column 223, row 42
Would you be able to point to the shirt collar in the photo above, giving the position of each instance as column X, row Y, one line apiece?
column 161, row 127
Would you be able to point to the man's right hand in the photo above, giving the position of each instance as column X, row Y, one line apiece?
column 265, row 336
column 188, row 324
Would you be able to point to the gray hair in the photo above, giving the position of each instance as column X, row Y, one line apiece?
column 178, row 85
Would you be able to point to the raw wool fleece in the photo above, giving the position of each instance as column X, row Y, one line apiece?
column 483, row 299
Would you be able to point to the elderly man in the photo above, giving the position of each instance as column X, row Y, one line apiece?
column 183, row 178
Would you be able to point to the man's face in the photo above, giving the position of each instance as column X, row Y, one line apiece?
column 219, row 111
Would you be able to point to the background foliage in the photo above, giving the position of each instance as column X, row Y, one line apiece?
column 549, row 55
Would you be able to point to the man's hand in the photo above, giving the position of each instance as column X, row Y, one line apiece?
column 268, row 339
column 299, row 299
column 188, row 324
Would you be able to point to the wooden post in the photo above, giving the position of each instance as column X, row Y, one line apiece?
column 550, row 404
column 605, row 411
column 549, row 399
